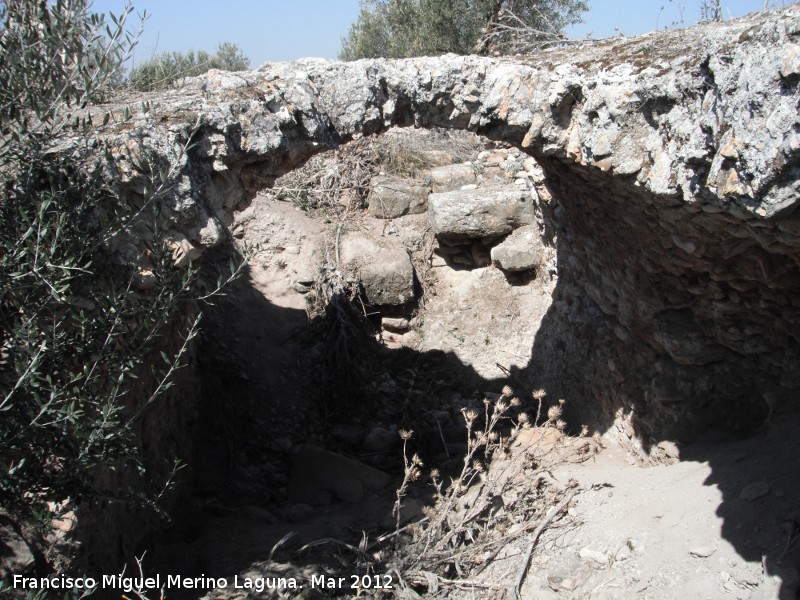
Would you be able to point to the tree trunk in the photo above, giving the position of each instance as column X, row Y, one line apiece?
column 482, row 46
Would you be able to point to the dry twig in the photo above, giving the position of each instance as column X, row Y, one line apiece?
column 535, row 538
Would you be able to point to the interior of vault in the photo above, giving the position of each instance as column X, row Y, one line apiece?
column 662, row 320
column 673, row 318
column 265, row 352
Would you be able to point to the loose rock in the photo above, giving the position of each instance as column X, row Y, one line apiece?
column 593, row 557
column 754, row 491
column 392, row 197
column 703, row 551
column 380, row 440
column 481, row 212
column 315, row 470
column 521, row 251
column 349, row 490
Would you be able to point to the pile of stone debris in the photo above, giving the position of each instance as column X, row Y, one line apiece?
column 482, row 212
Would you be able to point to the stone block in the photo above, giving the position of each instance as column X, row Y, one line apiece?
column 383, row 268
column 392, row 197
column 317, row 470
column 521, row 251
column 480, row 213
column 451, row 177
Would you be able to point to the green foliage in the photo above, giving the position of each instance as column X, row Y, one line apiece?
column 74, row 339
column 230, row 57
column 54, row 58
column 402, row 28
column 166, row 69
column 80, row 356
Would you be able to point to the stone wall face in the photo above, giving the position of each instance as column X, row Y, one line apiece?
column 688, row 321
column 673, row 160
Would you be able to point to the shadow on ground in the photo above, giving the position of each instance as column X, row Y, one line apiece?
column 260, row 367
column 266, row 393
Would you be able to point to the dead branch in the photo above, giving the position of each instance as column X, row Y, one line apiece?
column 535, row 538
column 507, row 33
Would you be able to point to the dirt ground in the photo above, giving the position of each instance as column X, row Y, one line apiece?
column 721, row 522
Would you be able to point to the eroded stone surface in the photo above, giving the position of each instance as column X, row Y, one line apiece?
column 451, row 177
column 382, row 267
column 481, row 212
column 520, row 251
column 392, row 197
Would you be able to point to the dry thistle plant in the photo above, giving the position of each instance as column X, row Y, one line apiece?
column 481, row 510
column 539, row 396
column 503, row 492
column 411, row 472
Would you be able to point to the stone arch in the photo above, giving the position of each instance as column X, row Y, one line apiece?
column 674, row 160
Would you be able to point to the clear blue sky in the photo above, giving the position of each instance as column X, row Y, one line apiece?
column 278, row 30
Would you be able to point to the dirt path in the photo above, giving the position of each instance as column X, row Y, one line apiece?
column 716, row 524
column 722, row 523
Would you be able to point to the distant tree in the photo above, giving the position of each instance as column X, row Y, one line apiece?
column 369, row 36
column 514, row 26
column 230, row 57
column 400, row 28
column 166, row 69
